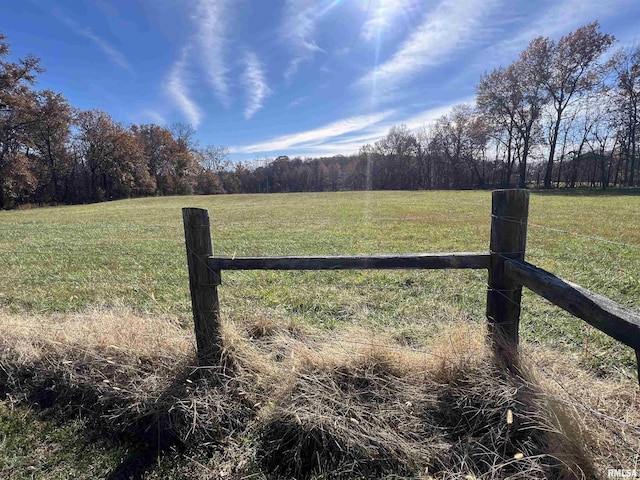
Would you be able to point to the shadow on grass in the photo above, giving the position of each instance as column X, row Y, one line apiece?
column 146, row 427
column 56, row 400
column 363, row 419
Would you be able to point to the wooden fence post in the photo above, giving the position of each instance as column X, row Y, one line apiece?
column 509, row 212
column 203, row 284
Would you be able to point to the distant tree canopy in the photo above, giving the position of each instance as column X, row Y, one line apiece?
column 558, row 115
column 53, row 153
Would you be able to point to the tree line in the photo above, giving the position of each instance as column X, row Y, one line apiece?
column 52, row 153
column 564, row 113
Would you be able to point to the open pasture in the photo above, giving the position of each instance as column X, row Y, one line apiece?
column 95, row 317
column 131, row 253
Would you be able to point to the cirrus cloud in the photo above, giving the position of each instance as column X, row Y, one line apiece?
column 255, row 84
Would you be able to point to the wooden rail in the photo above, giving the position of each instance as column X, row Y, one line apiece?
column 507, row 274
column 379, row 262
column 609, row 317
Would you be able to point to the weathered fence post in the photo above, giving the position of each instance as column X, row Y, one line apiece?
column 203, row 284
column 509, row 213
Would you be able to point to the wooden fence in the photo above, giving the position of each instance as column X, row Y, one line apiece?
column 507, row 274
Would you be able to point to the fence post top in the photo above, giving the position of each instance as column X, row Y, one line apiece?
column 507, row 190
column 195, row 217
column 193, row 209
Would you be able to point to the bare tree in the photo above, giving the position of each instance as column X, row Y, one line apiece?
column 213, row 158
column 530, row 98
column 512, row 100
column 627, row 66
column 497, row 98
column 568, row 69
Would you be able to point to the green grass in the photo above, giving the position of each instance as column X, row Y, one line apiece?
column 132, row 253
column 36, row 447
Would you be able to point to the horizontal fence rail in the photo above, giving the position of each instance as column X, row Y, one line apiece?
column 505, row 265
column 609, row 317
column 432, row 261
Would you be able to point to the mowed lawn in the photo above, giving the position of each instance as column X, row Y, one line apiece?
column 131, row 253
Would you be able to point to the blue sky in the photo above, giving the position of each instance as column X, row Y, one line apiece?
column 287, row 77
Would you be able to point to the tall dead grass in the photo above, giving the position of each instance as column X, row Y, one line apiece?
column 110, row 332
column 303, row 403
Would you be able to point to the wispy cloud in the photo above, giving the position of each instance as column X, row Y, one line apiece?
column 349, row 135
column 109, row 50
column 155, row 116
column 107, row 8
column 207, row 48
column 380, row 16
column 451, row 25
column 555, row 19
column 429, row 116
column 299, row 30
column 255, row 83
column 299, row 101
column 116, row 56
column 179, row 91
column 212, row 19
column 371, row 135
column 313, row 137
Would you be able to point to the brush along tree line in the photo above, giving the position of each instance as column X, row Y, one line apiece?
column 558, row 115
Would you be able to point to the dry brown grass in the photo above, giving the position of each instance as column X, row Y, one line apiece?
column 300, row 403
column 98, row 331
column 602, row 413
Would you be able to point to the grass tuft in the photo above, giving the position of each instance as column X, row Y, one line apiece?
column 340, row 404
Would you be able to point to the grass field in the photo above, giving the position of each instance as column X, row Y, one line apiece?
column 131, row 253
column 75, row 262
